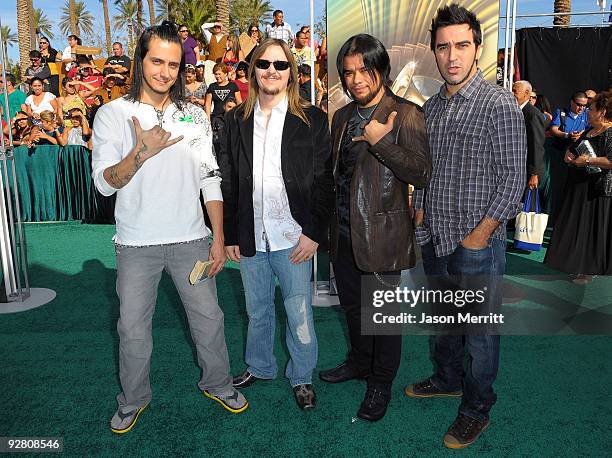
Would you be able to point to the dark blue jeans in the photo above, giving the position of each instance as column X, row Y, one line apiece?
column 480, row 372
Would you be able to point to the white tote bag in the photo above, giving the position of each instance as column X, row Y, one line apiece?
column 530, row 226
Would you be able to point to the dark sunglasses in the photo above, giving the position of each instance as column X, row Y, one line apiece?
column 533, row 96
column 44, row 43
column 279, row 65
column 183, row 30
column 75, row 118
column 583, row 105
column 254, row 30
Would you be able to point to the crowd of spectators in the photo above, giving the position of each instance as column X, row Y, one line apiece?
column 60, row 92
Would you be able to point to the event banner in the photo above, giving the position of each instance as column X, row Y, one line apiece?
column 403, row 27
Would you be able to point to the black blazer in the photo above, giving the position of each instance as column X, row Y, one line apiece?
column 307, row 173
column 535, row 127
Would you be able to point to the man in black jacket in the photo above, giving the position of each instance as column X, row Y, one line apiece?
column 534, row 125
column 379, row 147
column 278, row 198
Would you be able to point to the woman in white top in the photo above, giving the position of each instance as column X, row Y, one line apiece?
column 69, row 54
column 39, row 100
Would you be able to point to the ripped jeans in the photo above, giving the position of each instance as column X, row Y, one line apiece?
column 259, row 275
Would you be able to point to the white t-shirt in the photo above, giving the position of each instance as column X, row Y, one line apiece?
column 66, row 55
column 45, row 104
column 160, row 204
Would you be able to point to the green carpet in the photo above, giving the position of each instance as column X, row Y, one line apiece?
column 59, row 378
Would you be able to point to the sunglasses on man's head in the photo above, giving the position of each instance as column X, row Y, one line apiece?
column 264, row 64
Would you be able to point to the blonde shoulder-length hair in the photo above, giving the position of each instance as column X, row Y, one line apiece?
column 296, row 105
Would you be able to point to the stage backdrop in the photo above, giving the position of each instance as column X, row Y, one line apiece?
column 561, row 61
column 403, row 27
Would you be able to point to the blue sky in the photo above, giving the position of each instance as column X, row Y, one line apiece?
column 296, row 12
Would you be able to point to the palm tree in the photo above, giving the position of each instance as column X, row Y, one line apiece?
column 193, row 14
column 137, row 22
column 138, row 11
column 84, row 20
column 562, row 6
column 107, row 30
column 320, row 26
column 23, row 31
column 42, row 23
column 151, row 12
column 33, row 36
column 223, row 13
column 74, row 28
column 8, row 38
column 127, row 18
column 246, row 12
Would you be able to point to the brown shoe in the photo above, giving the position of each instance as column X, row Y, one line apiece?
column 426, row 389
column 464, row 431
column 305, row 396
column 582, row 279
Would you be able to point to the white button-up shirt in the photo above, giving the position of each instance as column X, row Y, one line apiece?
column 275, row 228
column 160, row 204
column 281, row 32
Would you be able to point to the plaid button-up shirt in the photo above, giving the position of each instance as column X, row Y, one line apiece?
column 479, row 148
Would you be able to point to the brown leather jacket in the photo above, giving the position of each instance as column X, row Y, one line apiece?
column 382, row 230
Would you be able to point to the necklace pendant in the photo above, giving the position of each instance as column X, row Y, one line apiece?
column 160, row 117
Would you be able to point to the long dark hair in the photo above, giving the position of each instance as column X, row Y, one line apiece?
column 374, row 55
column 167, row 31
column 78, row 40
column 543, row 104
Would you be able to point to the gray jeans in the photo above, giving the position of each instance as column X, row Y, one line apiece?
column 139, row 270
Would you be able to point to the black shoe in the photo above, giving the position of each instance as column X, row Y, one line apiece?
column 464, row 431
column 374, row 405
column 305, row 396
column 245, row 379
column 340, row 373
column 426, row 389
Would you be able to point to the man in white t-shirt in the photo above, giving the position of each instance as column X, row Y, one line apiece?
column 155, row 152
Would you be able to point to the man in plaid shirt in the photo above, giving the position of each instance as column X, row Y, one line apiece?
column 478, row 144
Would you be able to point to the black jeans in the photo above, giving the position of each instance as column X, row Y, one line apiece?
column 375, row 355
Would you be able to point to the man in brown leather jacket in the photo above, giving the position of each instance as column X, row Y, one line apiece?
column 379, row 147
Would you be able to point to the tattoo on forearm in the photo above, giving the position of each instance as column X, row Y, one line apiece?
column 113, row 177
column 113, row 172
